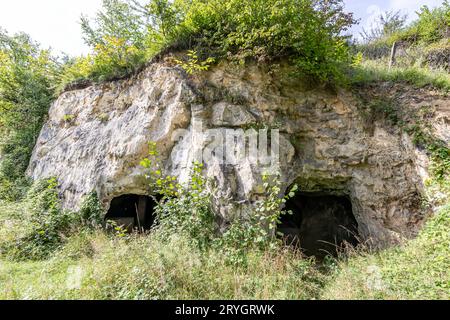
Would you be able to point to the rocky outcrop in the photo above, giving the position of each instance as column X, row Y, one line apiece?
column 95, row 138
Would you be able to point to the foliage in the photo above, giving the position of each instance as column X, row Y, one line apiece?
column 192, row 63
column 189, row 212
column 307, row 32
column 47, row 224
column 27, row 77
column 256, row 230
column 73, row 71
column 374, row 71
column 127, row 33
column 91, row 211
column 118, row 41
column 387, row 24
column 68, row 118
column 186, row 209
column 432, row 25
column 183, row 209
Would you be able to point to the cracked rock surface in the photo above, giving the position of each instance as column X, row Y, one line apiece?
column 324, row 144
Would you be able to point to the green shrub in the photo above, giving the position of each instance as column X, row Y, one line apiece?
column 432, row 25
column 91, row 211
column 192, row 64
column 186, row 210
column 27, row 77
column 75, row 72
column 183, row 209
column 47, row 225
column 128, row 33
column 46, row 220
column 189, row 211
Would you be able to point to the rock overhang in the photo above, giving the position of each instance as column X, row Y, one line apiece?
column 323, row 143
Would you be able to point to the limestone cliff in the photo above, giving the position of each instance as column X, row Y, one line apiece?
column 95, row 138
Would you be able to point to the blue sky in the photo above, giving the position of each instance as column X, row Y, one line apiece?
column 55, row 23
column 369, row 10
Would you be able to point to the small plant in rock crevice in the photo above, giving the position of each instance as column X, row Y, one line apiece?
column 192, row 64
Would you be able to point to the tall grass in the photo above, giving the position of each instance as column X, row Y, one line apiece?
column 374, row 71
column 96, row 265
column 418, row 270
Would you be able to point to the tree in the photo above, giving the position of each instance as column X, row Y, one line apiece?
column 117, row 36
column 27, row 78
column 126, row 33
column 387, row 24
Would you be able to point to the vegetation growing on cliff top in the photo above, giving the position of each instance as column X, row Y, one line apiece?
column 127, row 33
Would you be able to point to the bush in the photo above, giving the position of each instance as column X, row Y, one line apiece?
column 432, row 25
column 46, row 221
column 27, row 77
column 308, row 32
column 186, row 210
column 118, row 41
column 47, row 225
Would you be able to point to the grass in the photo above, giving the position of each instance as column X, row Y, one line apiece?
column 418, row 270
column 96, row 265
column 375, row 71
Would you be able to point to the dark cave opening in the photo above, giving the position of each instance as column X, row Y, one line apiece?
column 321, row 224
column 132, row 211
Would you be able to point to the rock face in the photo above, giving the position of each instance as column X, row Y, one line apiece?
column 95, row 138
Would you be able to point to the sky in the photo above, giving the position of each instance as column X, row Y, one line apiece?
column 55, row 23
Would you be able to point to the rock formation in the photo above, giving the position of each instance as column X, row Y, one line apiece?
column 95, row 138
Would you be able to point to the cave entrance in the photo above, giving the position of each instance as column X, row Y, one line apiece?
column 132, row 211
column 321, row 224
